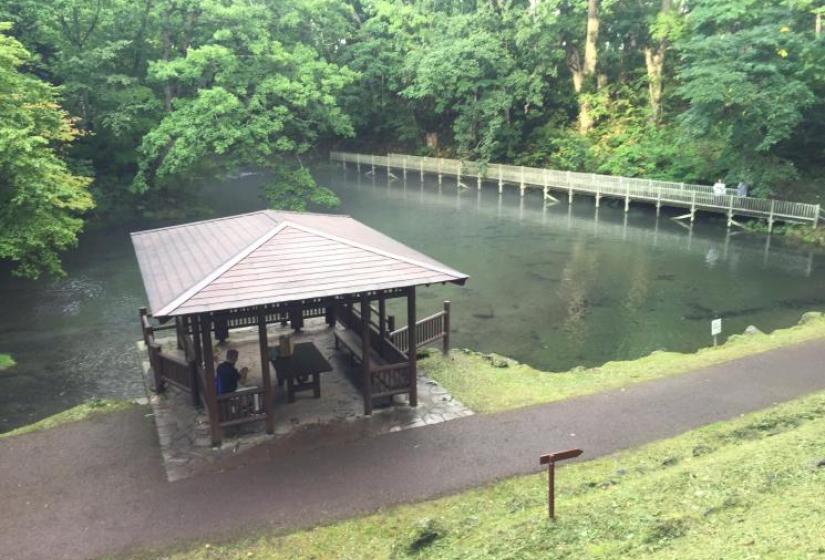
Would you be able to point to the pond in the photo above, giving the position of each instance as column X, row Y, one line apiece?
column 556, row 286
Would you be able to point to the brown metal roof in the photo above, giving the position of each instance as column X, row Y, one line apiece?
column 273, row 256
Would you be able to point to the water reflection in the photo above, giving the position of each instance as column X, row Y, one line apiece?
column 559, row 284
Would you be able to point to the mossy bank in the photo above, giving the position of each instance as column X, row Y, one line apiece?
column 80, row 412
column 490, row 383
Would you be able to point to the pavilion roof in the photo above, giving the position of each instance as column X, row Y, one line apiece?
column 271, row 256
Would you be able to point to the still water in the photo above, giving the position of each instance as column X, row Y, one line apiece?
column 555, row 287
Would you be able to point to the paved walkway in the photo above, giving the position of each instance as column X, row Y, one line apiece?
column 98, row 487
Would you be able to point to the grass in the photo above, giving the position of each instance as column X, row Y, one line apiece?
column 489, row 383
column 84, row 411
column 747, row 488
column 6, row 361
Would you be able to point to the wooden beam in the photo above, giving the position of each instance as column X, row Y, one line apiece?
column 365, row 353
column 412, row 346
column 263, row 343
column 209, row 391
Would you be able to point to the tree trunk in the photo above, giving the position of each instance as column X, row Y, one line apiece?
column 588, row 69
column 655, row 64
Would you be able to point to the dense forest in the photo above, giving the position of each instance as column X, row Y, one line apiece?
column 123, row 104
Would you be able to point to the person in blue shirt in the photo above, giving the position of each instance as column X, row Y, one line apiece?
column 227, row 375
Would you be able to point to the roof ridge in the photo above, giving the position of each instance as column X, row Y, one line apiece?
column 450, row 272
column 200, row 222
column 298, row 213
column 190, row 292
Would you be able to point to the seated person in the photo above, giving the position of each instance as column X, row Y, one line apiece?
column 227, row 375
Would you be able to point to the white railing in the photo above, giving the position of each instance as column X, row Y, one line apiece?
column 662, row 193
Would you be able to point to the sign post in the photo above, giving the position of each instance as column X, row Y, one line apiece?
column 550, row 460
column 716, row 329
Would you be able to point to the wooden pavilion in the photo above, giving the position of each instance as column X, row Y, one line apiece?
column 272, row 267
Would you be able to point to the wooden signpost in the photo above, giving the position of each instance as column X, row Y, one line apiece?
column 550, row 460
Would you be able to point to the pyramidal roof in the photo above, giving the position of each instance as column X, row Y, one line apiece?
column 270, row 257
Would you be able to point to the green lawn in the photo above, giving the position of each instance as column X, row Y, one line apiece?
column 749, row 488
column 481, row 383
column 81, row 412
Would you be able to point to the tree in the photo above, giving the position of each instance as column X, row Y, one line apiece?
column 744, row 72
column 584, row 68
column 41, row 200
column 235, row 95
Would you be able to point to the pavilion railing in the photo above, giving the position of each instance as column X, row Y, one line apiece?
column 427, row 330
column 242, row 406
column 390, row 379
column 682, row 195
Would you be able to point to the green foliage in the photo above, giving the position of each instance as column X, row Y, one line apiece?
column 166, row 91
column 743, row 74
column 41, row 199
column 293, row 189
column 6, row 361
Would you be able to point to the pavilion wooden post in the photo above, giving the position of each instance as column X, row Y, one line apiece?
column 445, row 348
column 151, row 348
column 365, row 353
column 413, row 346
column 265, row 373
column 191, row 359
column 382, row 320
column 209, row 392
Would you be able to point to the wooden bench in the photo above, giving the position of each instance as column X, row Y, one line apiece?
column 351, row 342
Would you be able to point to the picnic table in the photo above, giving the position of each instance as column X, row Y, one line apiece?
column 301, row 371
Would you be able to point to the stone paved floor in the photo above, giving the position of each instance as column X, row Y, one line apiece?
column 183, row 431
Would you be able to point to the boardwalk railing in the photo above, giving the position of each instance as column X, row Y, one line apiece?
column 661, row 193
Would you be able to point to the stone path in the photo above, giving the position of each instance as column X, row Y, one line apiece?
column 98, row 487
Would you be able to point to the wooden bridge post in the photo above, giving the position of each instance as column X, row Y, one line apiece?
column 521, row 184
column 770, row 217
column 421, row 169
column 598, row 195
column 659, row 201
column 372, row 161
column 626, row 195
column 458, row 176
column 404, row 168
column 500, row 181
column 816, row 216
column 445, row 348
column 693, row 207
column 440, row 163
column 478, row 181
column 546, row 186
column 730, row 210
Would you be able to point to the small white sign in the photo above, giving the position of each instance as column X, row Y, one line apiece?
column 716, row 327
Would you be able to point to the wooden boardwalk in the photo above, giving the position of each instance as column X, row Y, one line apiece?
column 690, row 197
